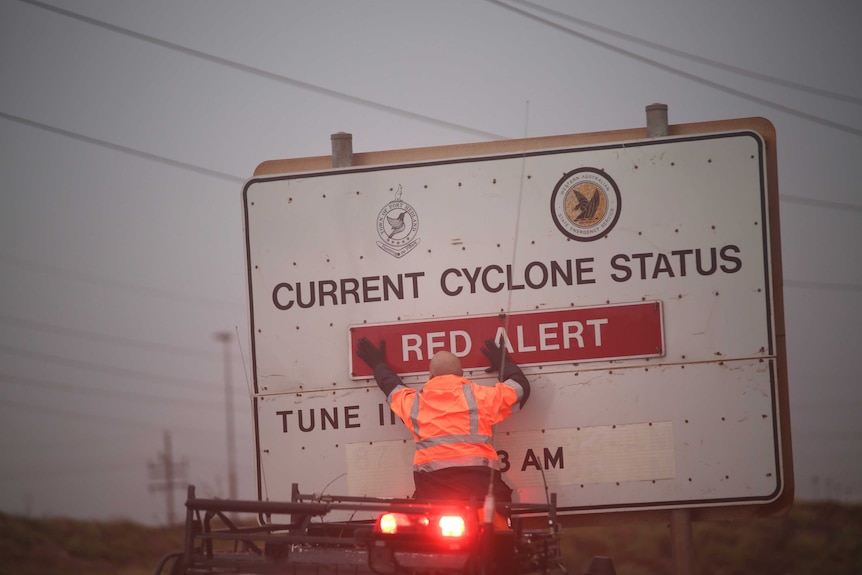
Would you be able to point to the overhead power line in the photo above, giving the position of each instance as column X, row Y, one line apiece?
column 102, row 338
column 41, row 444
column 829, row 286
column 103, row 281
column 96, row 419
column 264, row 73
column 100, row 419
column 824, row 204
column 398, row 111
column 124, row 149
column 687, row 75
column 695, row 58
column 828, row 436
column 107, row 393
column 94, row 465
column 609, row 31
column 151, row 291
column 91, row 466
column 112, row 370
column 111, row 339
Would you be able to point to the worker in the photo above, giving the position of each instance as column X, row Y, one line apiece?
column 452, row 421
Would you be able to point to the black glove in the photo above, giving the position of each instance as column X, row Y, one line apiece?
column 495, row 354
column 370, row 354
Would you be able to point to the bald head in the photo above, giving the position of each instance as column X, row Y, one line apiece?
column 445, row 363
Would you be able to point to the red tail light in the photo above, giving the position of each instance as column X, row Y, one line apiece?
column 450, row 526
column 398, row 522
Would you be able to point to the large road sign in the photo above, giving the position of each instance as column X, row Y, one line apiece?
column 636, row 280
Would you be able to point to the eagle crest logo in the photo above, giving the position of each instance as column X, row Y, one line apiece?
column 585, row 204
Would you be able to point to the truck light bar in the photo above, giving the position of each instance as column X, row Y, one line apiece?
column 402, row 523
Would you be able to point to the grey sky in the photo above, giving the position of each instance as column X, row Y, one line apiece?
column 127, row 129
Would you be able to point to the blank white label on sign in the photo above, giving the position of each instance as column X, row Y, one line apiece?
column 603, row 454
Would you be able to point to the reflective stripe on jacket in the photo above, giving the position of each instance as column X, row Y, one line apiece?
column 452, row 420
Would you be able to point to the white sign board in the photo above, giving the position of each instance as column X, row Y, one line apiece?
column 632, row 279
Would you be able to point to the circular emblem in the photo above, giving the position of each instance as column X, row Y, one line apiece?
column 397, row 224
column 585, row 204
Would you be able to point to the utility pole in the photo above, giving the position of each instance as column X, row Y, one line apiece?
column 167, row 475
column 225, row 338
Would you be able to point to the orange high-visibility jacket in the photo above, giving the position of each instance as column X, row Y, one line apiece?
column 452, row 419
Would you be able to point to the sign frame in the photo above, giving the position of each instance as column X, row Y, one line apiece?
column 735, row 509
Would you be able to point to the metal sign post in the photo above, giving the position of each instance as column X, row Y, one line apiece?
column 680, row 519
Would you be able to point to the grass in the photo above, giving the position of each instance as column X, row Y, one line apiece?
column 60, row 546
column 812, row 539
